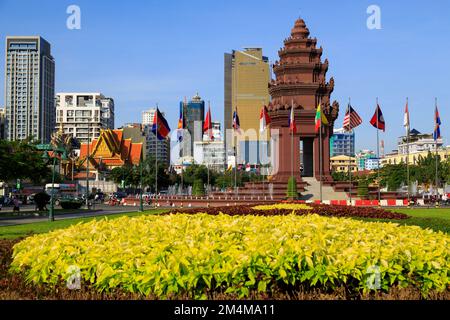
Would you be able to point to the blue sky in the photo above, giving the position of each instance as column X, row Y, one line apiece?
column 147, row 52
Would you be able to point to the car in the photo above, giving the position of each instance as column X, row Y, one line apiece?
column 119, row 195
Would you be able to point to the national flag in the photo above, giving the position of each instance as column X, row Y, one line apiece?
column 236, row 122
column 378, row 120
column 437, row 125
column 292, row 125
column 207, row 126
column 320, row 118
column 180, row 126
column 160, row 126
column 351, row 119
column 406, row 119
column 264, row 119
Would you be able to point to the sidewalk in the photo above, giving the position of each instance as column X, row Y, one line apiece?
column 12, row 221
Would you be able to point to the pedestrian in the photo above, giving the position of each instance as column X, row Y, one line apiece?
column 16, row 204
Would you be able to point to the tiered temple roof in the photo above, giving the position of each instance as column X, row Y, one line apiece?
column 111, row 150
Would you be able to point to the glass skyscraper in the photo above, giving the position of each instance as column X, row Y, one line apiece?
column 193, row 115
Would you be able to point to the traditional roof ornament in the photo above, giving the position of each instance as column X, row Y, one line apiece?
column 300, row 31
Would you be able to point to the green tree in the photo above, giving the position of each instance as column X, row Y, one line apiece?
column 199, row 188
column 363, row 189
column 21, row 160
column 292, row 192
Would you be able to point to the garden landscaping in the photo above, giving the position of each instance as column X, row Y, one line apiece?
column 284, row 251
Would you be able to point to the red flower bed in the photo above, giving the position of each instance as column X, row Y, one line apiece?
column 322, row 210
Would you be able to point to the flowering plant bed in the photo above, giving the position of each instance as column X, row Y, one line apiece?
column 298, row 209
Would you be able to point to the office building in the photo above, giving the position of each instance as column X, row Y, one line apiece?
column 84, row 115
column 247, row 77
column 153, row 146
column 2, row 123
column 342, row 143
column 210, row 154
column 193, row 116
column 29, row 88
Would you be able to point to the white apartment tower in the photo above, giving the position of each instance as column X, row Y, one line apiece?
column 83, row 115
column 29, row 88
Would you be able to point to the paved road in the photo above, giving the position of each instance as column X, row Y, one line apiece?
column 100, row 210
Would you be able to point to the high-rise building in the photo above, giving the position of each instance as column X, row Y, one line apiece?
column 153, row 146
column 84, row 115
column 148, row 116
column 247, row 77
column 2, row 123
column 193, row 116
column 342, row 143
column 29, row 88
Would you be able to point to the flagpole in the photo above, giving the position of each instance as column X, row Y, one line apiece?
column 349, row 158
column 378, row 155
column 292, row 140
column 407, row 152
column 156, row 158
column 235, row 166
column 437, row 163
column 320, row 151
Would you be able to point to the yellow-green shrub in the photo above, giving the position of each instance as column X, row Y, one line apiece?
column 174, row 254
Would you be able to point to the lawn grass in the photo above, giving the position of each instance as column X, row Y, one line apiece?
column 434, row 219
column 23, row 230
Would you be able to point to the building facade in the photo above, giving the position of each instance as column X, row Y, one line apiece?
column 84, row 115
column 247, row 75
column 210, row 154
column 193, row 118
column 342, row 143
column 2, row 123
column 29, row 88
column 396, row 158
column 343, row 164
column 418, row 142
column 372, row 164
column 362, row 157
column 153, row 146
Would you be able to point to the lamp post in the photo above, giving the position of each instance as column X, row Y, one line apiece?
column 141, row 204
column 55, row 151
column 87, row 165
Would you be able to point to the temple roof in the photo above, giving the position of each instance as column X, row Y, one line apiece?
column 111, row 149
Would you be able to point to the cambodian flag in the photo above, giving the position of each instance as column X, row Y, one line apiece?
column 160, row 126
column 437, row 125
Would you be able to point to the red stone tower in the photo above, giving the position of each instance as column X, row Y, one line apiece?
column 301, row 82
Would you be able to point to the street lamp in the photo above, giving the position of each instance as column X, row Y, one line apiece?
column 56, row 151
